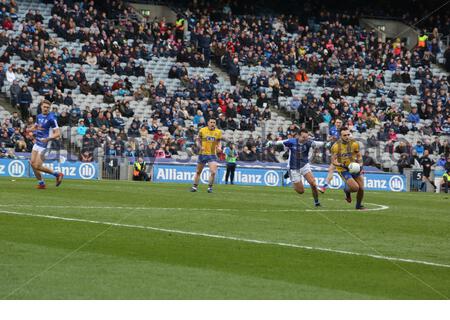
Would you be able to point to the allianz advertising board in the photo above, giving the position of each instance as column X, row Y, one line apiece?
column 73, row 170
column 14, row 168
column 242, row 176
column 269, row 177
column 372, row 181
column 17, row 168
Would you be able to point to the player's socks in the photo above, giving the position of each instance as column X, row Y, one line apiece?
column 210, row 190
column 317, row 203
column 41, row 185
column 286, row 175
column 348, row 195
column 360, row 207
column 194, row 188
column 55, row 174
column 59, row 178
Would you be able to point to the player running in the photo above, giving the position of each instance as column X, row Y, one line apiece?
column 344, row 152
column 45, row 130
column 208, row 141
column 334, row 136
column 298, row 162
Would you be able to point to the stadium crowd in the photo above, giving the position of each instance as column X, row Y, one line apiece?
column 291, row 52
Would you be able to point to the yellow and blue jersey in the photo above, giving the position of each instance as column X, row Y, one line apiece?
column 210, row 140
column 346, row 153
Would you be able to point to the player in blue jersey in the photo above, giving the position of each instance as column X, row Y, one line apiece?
column 333, row 137
column 45, row 129
column 298, row 162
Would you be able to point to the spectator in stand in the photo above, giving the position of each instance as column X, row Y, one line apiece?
column 442, row 161
column 419, row 148
column 234, row 71
column 403, row 163
column 11, row 75
column 25, row 99
column 15, row 90
column 368, row 161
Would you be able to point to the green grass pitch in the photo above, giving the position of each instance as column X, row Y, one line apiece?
column 129, row 240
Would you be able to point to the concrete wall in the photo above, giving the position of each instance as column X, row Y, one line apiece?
column 392, row 29
column 156, row 11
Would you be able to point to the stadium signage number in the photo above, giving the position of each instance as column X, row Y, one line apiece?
column 417, row 175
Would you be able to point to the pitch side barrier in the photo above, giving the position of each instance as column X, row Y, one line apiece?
column 249, row 174
column 21, row 168
column 271, row 175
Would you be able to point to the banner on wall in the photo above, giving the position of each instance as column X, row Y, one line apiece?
column 273, row 178
column 73, row 170
column 14, row 168
column 242, row 176
column 18, row 168
column 372, row 181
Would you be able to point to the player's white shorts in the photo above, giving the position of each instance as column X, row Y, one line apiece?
column 296, row 174
column 39, row 149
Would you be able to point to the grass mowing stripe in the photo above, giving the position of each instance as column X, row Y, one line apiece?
column 282, row 244
column 109, row 226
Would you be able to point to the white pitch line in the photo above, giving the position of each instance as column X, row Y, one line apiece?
column 120, row 208
column 216, row 236
column 379, row 207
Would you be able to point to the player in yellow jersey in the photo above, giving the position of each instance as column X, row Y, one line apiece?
column 209, row 142
column 344, row 152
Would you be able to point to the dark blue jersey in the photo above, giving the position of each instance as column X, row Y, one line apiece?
column 298, row 152
column 44, row 123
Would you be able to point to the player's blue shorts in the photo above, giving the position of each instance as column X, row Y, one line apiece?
column 347, row 175
column 204, row 159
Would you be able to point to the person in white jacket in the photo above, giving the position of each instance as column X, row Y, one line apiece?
column 10, row 75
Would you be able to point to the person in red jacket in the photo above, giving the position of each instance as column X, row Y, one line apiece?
column 8, row 24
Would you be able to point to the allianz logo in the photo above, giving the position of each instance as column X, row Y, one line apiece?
column 15, row 169
column 67, row 171
column 174, row 174
column 240, row 177
column 268, row 178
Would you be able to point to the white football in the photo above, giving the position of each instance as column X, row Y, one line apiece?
column 354, row 167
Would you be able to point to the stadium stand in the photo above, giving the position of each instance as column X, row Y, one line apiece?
column 126, row 87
